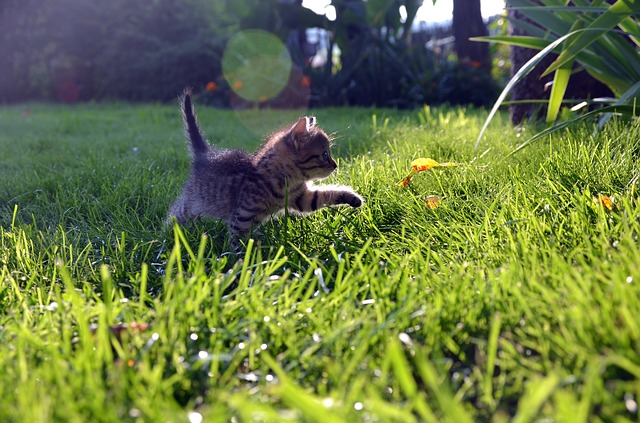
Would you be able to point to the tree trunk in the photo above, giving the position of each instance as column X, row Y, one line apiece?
column 467, row 23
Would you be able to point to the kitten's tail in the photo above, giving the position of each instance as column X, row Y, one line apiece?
column 191, row 129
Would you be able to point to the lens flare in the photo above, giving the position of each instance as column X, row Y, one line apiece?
column 257, row 65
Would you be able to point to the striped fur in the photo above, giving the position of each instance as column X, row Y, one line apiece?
column 245, row 189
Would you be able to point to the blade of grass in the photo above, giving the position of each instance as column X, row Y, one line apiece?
column 296, row 397
column 537, row 393
column 492, row 353
column 453, row 411
column 402, row 371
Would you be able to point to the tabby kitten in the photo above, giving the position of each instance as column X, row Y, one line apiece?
column 245, row 189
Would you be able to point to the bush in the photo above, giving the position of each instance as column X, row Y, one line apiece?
column 464, row 83
column 145, row 50
column 149, row 50
column 601, row 38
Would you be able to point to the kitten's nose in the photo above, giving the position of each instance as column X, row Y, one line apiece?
column 333, row 164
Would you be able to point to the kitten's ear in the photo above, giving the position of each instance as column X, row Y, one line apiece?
column 303, row 126
column 301, row 129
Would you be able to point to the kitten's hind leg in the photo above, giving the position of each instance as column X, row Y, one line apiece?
column 178, row 212
column 237, row 236
column 249, row 213
column 240, row 226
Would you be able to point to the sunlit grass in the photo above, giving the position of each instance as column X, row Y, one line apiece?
column 517, row 297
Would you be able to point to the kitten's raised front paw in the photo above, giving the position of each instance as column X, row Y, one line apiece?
column 354, row 200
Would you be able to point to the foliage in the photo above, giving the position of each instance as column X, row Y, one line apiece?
column 379, row 66
column 150, row 50
column 602, row 38
column 464, row 83
column 382, row 74
column 500, row 53
column 515, row 298
column 161, row 47
column 69, row 50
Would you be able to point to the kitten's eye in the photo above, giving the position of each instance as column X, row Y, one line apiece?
column 325, row 156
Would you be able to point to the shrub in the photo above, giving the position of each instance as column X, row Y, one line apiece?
column 601, row 38
column 145, row 50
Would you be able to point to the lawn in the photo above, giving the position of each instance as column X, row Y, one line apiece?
column 517, row 297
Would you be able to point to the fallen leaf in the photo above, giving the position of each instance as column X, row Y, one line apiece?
column 420, row 165
column 405, row 181
column 433, row 201
column 423, row 164
column 606, row 201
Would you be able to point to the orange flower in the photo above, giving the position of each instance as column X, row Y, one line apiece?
column 305, row 81
column 263, row 98
column 237, row 85
column 211, row 87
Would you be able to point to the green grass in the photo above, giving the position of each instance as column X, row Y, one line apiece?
column 518, row 298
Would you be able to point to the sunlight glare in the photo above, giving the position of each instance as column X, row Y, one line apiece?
column 403, row 13
column 441, row 12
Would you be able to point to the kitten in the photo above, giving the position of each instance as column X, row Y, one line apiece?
column 243, row 189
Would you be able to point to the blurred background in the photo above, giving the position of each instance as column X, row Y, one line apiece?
column 253, row 53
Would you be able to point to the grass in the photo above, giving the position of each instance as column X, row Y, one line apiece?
column 517, row 298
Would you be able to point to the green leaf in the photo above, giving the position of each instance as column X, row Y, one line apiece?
column 572, row 9
column 522, row 72
column 560, row 82
column 516, row 40
column 617, row 13
column 530, row 28
column 550, row 21
column 623, row 110
column 632, row 29
column 628, row 99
